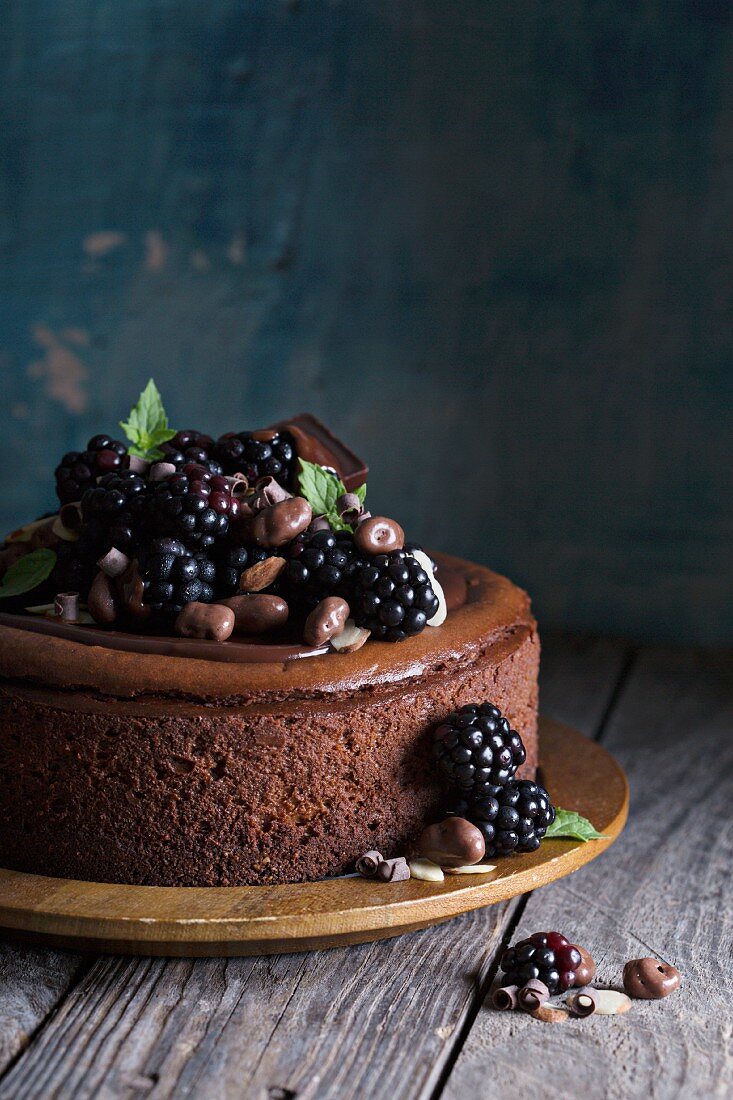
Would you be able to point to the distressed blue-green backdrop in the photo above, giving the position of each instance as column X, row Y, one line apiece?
column 490, row 243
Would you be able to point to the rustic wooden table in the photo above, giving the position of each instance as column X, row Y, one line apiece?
column 409, row 1017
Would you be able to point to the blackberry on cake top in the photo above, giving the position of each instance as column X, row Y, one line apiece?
column 173, row 577
column 257, row 455
column 194, row 506
column 78, row 471
column 392, row 596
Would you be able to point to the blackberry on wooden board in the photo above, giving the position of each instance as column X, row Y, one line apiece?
column 512, row 818
column 546, row 956
column 475, row 748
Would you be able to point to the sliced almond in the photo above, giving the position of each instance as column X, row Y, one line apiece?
column 471, row 869
column 351, row 638
column 441, row 614
column 426, row 870
column 609, row 1002
column 63, row 532
column 548, row 1014
column 261, row 575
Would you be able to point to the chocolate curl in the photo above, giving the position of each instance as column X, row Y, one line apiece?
column 137, row 465
column 70, row 516
column 159, row 471
column 363, row 517
column 319, row 523
column 268, row 492
column 393, row 870
column 349, row 507
column 367, row 865
column 114, row 563
column 238, row 484
column 533, row 995
column 66, row 606
column 505, row 998
column 583, row 1002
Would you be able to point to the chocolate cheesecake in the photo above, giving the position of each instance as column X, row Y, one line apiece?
column 183, row 762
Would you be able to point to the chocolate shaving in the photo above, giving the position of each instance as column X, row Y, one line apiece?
column 505, row 997
column 367, row 865
column 66, row 606
column 393, row 870
column 363, row 517
column 137, row 465
column 319, row 523
column 268, row 492
column 159, row 471
column 532, row 995
column 583, row 1002
column 349, row 507
column 114, row 563
column 70, row 516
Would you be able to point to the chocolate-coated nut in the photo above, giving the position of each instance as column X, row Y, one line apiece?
column 281, row 523
column 586, row 972
column 101, row 600
column 258, row 613
column 131, row 590
column 454, row 842
column 650, row 980
column 262, row 574
column 205, row 620
column 379, row 535
column 325, row 621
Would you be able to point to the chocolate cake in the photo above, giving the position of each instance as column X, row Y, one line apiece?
column 243, row 677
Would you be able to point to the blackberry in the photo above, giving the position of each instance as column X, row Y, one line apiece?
column 117, row 503
column 79, row 470
column 194, row 506
column 242, row 452
column 512, row 818
column 475, row 748
column 391, row 596
column 231, row 561
column 173, row 576
column 546, row 956
column 191, row 446
column 321, row 564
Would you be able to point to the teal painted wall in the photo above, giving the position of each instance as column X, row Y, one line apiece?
column 488, row 242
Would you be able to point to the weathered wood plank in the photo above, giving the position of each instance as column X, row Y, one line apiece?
column 377, row 1020
column 32, row 982
column 664, row 889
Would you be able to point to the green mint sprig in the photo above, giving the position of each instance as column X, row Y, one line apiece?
column 27, row 573
column 321, row 489
column 571, row 825
column 147, row 425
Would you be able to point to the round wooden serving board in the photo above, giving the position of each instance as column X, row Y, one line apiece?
column 263, row 920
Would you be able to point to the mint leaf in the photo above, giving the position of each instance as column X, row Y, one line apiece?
column 147, row 425
column 27, row 573
column 570, row 824
column 319, row 488
column 361, row 493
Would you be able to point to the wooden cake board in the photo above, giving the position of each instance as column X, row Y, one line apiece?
column 261, row 920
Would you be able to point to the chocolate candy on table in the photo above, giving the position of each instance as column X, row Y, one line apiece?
column 325, row 621
column 379, row 535
column 453, row 842
column 586, row 972
column 205, row 620
column 257, row 613
column 650, row 980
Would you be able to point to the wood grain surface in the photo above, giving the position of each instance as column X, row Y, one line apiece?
column 490, row 243
column 256, row 920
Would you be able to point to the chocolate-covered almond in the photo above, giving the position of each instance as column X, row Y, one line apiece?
column 586, row 972
column 281, row 523
column 325, row 621
column 378, row 535
column 453, row 842
column 650, row 980
column 205, row 620
column 257, row 613
column 101, row 600
column 130, row 591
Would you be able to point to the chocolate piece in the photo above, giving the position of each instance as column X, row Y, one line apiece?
column 349, row 507
column 257, row 613
column 393, row 870
column 280, row 523
column 131, row 590
column 66, row 606
column 268, row 492
column 584, row 1002
column 650, row 980
column 261, row 575
column 505, row 997
column 319, row 523
column 379, row 535
column 159, row 471
column 367, row 865
column 532, row 995
column 137, row 464
column 586, row 972
column 453, row 842
column 101, row 600
column 205, row 620
column 325, row 621
column 114, row 562
column 315, row 443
